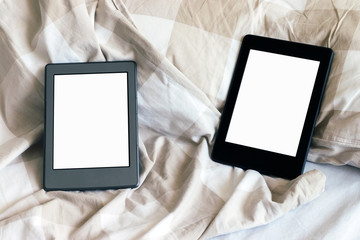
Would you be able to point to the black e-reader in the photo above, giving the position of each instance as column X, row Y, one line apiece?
column 272, row 105
column 91, row 136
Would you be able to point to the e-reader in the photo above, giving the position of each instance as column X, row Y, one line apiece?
column 272, row 105
column 91, row 137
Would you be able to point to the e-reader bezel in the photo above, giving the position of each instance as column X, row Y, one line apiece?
column 91, row 178
column 266, row 162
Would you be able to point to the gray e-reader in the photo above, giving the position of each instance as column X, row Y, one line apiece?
column 272, row 105
column 91, row 137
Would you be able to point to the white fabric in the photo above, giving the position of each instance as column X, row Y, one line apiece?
column 333, row 215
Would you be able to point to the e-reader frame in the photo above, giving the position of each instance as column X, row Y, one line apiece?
column 92, row 178
column 264, row 161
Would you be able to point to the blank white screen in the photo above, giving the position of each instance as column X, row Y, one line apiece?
column 272, row 102
column 90, row 121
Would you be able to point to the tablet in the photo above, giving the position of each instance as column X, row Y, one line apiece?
column 90, row 126
column 272, row 106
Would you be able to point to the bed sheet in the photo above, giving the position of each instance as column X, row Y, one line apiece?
column 210, row 33
column 185, row 52
column 333, row 215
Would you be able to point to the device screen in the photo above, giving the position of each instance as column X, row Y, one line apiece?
column 90, row 121
column 272, row 102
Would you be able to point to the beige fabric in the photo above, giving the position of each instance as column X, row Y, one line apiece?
column 185, row 52
column 210, row 33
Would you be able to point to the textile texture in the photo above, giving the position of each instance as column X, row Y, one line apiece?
column 185, row 52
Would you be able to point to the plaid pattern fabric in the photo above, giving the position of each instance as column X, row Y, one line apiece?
column 210, row 33
column 185, row 51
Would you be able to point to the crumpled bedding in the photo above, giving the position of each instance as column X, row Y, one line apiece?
column 185, row 52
